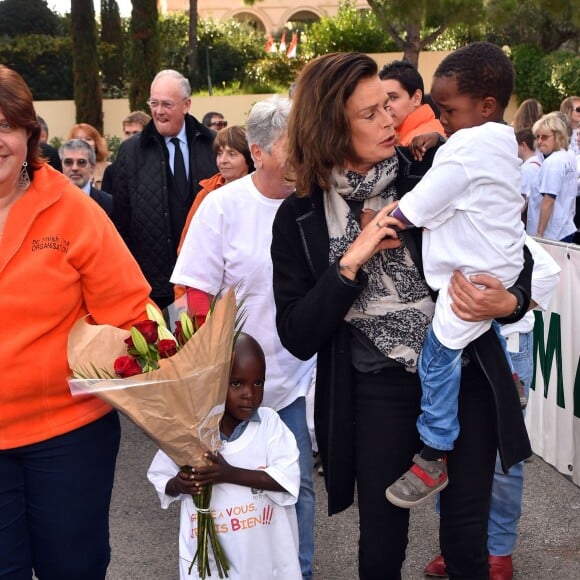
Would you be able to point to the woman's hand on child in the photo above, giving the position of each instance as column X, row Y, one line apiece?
column 476, row 304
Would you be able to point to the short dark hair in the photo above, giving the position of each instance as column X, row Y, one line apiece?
column 406, row 74
column 208, row 117
column 137, row 117
column 482, row 70
column 526, row 136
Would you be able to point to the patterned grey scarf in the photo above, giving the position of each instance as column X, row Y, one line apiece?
column 395, row 308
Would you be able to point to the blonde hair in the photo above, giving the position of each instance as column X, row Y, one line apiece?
column 554, row 122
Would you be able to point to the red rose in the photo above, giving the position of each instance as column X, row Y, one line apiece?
column 148, row 328
column 167, row 347
column 178, row 333
column 129, row 342
column 127, row 366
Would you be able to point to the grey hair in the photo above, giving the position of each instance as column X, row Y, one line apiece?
column 183, row 82
column 555, row 123
column 267, row 122
column 78, row 145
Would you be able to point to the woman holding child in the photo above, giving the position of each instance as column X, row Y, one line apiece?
column 347, row 288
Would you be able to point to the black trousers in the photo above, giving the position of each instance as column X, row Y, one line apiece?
column 54, row 504
column 387, row 407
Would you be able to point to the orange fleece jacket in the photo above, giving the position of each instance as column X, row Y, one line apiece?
column 207, row 186
column 60, row 259
column 418, row 122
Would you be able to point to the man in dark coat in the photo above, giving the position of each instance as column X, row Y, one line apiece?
column 78, row 164
column 157, row 179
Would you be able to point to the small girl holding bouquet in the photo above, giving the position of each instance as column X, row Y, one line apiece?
column 256, row 480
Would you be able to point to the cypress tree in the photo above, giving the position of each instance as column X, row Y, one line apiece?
column 86, row 77
column 193, row 46
column 111, row 44
column 145, row 51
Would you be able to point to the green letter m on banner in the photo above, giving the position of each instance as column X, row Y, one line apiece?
column 546, row 355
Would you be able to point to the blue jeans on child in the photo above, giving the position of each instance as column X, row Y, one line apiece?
column 506, row 498
column 440, row 374
column 294, row 416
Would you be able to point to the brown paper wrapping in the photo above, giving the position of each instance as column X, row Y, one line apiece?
column 180, row 405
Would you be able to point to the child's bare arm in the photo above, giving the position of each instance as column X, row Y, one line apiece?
column 220, row 471
column 422, row 143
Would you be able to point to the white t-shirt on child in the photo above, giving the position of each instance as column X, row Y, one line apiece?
column 257, row 529
column 470, row 205
column 530, row 170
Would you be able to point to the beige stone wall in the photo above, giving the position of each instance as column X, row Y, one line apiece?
column 60, row 115
column 273, row 14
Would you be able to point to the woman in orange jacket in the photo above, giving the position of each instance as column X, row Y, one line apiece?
column 61, row 259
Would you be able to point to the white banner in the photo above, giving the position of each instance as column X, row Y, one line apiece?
column 553, row 412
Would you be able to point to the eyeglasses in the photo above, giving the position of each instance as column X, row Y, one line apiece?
column 68, row 162
column 220, row 124
column 167, row 105
column 540, row 137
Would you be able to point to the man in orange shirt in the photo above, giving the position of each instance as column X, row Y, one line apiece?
column 411, row 114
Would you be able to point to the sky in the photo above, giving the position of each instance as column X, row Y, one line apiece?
column 63, row 6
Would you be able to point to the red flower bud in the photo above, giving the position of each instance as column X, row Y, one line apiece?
column 167, row 347
column 148, row 328
column 129, row 342
column 178, row 333
column 127, row 366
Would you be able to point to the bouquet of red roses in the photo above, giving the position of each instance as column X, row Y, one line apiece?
column 173, row 386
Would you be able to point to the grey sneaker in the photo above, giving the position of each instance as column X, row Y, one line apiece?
column 424, row 479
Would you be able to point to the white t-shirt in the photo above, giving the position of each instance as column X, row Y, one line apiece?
column 545, row 278
column 470, row 205
column 530, row 170
column 256, row 528
column 228, row 244
column 558, row 177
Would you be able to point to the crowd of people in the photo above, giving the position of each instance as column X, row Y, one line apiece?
column 341, row 216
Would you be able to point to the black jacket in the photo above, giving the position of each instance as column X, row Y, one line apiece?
column 312, row 299
column 104, row 199
column 147, row 211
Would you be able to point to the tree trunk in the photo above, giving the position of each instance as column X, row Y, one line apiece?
column 145, row 51
column 86, row 77
column 412, row 45
column 192, row 52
